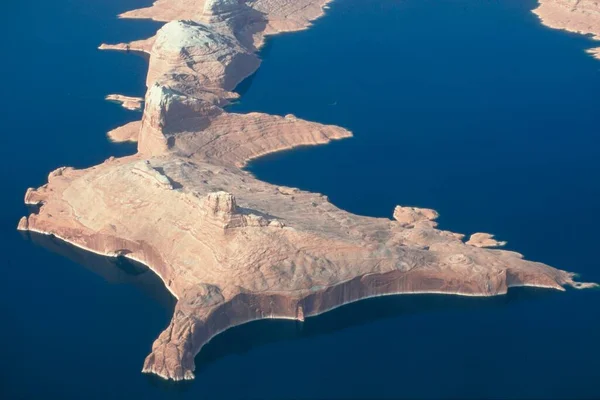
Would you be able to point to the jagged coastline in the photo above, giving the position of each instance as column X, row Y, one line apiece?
column 229, row 247
column 579, row 16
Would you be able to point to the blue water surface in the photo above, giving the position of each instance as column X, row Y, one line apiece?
column 469, row 107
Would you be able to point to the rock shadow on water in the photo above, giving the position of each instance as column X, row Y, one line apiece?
column 244, row 338
column 242, row 88
column 115, row 270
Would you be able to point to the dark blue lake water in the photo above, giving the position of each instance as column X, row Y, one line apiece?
column 469, row 107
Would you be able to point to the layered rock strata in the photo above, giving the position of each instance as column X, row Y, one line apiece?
column 229, row 247
column 126, row 133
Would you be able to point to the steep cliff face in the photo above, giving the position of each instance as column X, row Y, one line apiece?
column 222, row 8
column 167, row 113
column 264, row 251
column 152, row 140
column 169, row 10
column 229, row 247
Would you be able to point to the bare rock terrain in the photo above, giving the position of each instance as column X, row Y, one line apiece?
column 581, row 16
column 228, row 246
column 484, row 240
column 126, row 133
column 140, row 46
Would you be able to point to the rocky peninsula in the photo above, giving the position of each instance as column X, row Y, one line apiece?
column 580, row 16
column 127, row 102
column 228, row 246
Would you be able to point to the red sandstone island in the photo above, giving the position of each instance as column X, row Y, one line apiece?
column 232, row 248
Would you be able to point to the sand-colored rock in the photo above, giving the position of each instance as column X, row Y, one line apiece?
column 252, row 19
column 126, row 133
column 202, row 57
column 283, row 15
column 193, row 68
column 581, row 16
column 408, row 216
column 127, row 102
column 140, row 46
column 113, row 270
column 484, row 240
column 23, row 224
column 229, row 247
column 595, row 52
column 235, row 139
column 233, row 249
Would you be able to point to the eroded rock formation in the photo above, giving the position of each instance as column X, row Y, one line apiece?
column 229, row 247
column 127, row 102
column 484, row 240
column 126, row 133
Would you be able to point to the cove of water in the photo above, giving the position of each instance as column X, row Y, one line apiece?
column 471, row 108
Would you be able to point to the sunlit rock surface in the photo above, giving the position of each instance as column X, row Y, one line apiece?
column 581, row 16
column 229, row 247
column 127, row 102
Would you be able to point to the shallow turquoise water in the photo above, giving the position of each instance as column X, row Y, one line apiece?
column 472, row 108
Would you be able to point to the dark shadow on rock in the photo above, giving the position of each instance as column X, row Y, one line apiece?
column 174, row 183
column 250, row 211
column 145, row 56
column 241, row 339
column 33, row 208
column 115, row 270
column 246, row 23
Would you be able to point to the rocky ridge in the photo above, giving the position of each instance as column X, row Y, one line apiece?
column 229, row 247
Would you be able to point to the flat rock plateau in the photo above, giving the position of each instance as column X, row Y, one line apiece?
column 232, row 248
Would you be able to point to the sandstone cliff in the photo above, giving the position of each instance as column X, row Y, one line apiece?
column 229, row 247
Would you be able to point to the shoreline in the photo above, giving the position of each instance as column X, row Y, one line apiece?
column 581, row 18
column 297, row 317
column 186, row 117
column 91, row 250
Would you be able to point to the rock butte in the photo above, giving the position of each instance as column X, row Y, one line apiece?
column 231, row 248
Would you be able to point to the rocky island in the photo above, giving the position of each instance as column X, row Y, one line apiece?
column 228, row 246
